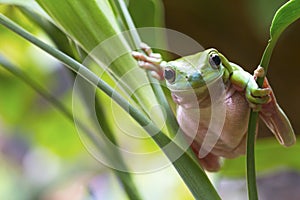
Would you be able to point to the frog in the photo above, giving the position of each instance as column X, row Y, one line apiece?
column 235, row 90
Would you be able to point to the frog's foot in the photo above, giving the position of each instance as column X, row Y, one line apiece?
column 257, row 96
column 259, row 72
column 211, row 162
column 145, row 47
column 151, row 61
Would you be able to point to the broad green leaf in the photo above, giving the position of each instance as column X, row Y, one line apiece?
column 261, row 14
column 286, row 15
column 83, row 20
column 92, row 22
column 154, row 12
column 59, row 38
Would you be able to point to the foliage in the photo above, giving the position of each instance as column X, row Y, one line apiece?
column 76, row 28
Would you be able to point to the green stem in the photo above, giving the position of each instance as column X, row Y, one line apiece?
column 252, row 126
column 191, row 176
column 251, row 174
column 264, row 63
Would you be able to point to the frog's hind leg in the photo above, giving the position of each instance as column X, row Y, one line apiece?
column 274, row 117
column 210, row 162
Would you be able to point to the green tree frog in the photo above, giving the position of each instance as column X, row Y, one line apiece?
column 205, row 73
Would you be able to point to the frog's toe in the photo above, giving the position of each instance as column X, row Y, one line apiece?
column 255, row 107
column 259, row 72
column 148, row 51
column 157, row 75
column 260, row 92
column 146, row 48
column 147, row 66
column 156, row 55
column 256, row 99
column 138, row 55
column 142, row 57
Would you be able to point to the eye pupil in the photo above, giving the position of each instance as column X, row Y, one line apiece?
column 216, row 59
column 169, row 75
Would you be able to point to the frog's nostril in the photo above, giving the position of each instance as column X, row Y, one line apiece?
column 195, row 77
column 195, row 80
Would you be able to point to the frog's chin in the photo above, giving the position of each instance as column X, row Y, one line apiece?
column 198, row 97
column 190, row 99
column 199, row 89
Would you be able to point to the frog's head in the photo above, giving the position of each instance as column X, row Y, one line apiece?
column 194, row 72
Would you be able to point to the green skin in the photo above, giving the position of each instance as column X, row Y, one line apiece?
column 207, row 78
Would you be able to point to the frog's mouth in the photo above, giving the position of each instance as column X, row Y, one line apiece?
column 199, row 97
column 195, row 82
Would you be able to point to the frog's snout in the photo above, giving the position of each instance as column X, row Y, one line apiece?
column 195, row 79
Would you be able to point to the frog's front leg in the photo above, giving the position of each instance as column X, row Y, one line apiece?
column 151, row 61
column 256, row 96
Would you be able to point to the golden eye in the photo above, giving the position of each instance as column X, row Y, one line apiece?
column 170, row 75
column 215, row 60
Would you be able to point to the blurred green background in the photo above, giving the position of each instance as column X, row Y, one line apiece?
column 35, row 138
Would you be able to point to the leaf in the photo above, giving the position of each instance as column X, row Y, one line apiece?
column 284, row 16
column 261, row 14
column 155, row 18
column 91, row 23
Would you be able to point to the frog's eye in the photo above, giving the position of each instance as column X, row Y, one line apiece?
column 215, row 60
column 170, row 75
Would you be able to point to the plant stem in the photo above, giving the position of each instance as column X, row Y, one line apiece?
column 252, row 126
column 251, row 174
